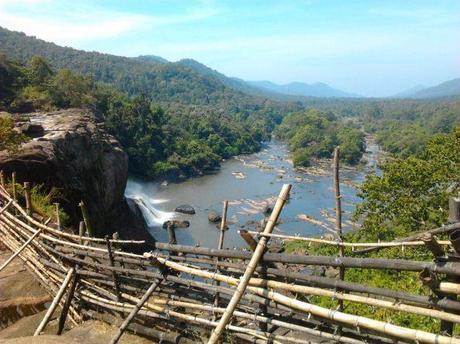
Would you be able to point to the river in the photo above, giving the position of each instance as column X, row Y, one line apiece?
column 250, row 183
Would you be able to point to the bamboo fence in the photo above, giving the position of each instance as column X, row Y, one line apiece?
column 176, row 293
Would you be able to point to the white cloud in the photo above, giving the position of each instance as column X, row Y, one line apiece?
column 47, row 19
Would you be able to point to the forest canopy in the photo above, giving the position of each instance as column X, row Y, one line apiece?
column 314, row 134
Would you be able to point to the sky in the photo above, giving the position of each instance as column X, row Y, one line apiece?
column 372, row 48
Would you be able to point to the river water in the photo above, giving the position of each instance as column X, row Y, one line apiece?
column 250, row 183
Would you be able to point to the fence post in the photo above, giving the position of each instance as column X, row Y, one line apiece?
column 244, row 280
column 338, row 213
column 454, row 209
column 28, row 198
column 112, row 264
column 220, row 245
column 84, row 213
column 81, row 231
column 13, row 182
column 58, row 217
column 2, row 178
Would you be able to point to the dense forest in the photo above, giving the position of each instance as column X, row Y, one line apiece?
column 315, row 134
column 170, row 141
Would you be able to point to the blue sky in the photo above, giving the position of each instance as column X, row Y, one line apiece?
column 374, row 48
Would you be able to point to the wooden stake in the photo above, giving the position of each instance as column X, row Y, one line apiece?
column 84, row 213
column 81, row 231
column 28, row 198
column 20, row 249
column 55, row 302
column 58, row 217
column 114, row 274
column 13, row 182
column 432, row 244
column 454, row 209
column 171, row 234
column 217, row 332
column 220, row 245
column 2, row 178
column 134, row 311
column 67, row 303
column 338, row 213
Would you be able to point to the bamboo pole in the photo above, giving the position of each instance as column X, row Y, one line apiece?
column 358, row 321
column 282, row 198
column 58, row 233
column 13, row 184
column 81, row 231
column 220, row 245
column 112, row 264
column 134, row 311
column 440, row 230
column 432, row 244
column 7, row 205
column 258, row 282
column 67, row 303
column 5, row 264
column 449, row 287
column 48, row 281
column 58, row 216
column 55, row 302
column 352, row 245
column 28, row 198
column 2, row 178
column 84, row 213
column 338, row 215
column 450, row 268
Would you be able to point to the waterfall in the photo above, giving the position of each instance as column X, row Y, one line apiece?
column 153, row 216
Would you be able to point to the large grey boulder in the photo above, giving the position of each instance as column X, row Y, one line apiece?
column 76, row 155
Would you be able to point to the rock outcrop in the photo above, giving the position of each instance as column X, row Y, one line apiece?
column 74, row 153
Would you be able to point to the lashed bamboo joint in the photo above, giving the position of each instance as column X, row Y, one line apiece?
column 99, row 278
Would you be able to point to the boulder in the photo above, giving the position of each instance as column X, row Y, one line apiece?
column 78, row 157
column 267, row 210
column 176, row 224
column 185, row 209
column 32, row 130
column 214, row 217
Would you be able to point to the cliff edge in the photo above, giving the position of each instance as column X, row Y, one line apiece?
column 70, row 150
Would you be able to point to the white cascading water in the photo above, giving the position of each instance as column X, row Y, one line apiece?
column 153, row 217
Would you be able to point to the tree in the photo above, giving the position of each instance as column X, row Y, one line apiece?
column 10, row 139
column 412, row 193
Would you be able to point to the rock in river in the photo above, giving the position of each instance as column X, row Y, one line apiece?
column 176, row 224
column 185, row 209
column 214, row 217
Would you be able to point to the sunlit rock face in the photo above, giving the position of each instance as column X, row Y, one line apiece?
column 71, row 150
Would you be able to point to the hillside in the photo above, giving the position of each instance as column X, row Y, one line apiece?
column 445, row 89
column 317, row 89
column 160, row 80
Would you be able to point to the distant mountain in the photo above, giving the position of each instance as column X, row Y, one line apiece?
column 409, row 92
column 151, row 58
column 317, row 89
column 445, row 89
column 235, row 83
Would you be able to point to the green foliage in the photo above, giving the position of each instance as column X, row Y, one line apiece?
column 43, row 203
column 412, row 193
column 315, row 134
column 9, row 138
column 169, row 141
